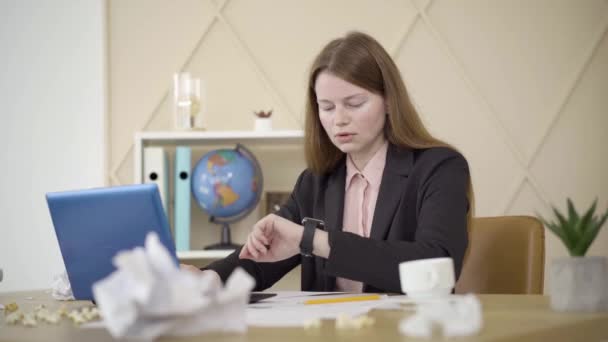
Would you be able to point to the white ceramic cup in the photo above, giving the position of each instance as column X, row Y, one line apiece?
column 427, row 278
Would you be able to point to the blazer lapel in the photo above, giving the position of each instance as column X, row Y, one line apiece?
column 334, row 211
column 334, row 198
column 399, row 162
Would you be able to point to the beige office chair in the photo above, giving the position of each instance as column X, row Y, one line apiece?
column 506, row 255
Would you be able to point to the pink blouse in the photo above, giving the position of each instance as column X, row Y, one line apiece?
column 361, row 193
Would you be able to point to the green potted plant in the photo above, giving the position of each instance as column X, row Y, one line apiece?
column 578, row 282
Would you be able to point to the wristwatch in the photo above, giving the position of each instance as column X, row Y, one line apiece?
column 310, row 226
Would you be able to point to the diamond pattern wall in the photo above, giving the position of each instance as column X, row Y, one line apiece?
column 518, row 86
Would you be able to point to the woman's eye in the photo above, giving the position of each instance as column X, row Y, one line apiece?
column 326, row 109
column 355, row 105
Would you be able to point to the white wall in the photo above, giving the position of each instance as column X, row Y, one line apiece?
column 52, row 134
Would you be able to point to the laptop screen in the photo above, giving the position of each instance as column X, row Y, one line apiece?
column 93, row 225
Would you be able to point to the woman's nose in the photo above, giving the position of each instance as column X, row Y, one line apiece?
column 341, row 117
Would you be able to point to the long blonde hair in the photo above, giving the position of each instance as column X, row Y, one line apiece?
column 359, row 59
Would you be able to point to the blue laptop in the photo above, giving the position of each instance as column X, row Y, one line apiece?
column 93, row 225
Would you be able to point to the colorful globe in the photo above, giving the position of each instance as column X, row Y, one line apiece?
column 227, row 183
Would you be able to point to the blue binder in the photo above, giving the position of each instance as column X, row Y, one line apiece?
column 181, row 214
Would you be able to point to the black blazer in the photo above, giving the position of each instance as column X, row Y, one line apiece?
column 421, row 212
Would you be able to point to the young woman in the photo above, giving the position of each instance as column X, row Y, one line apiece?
column 379, row 189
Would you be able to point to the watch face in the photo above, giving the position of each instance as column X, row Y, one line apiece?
column 317, row 223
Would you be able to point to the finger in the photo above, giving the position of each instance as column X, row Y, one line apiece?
column 258, row 245
column 267, row 225
column 259, row 235
column 251, row 248
column 189, row 268
column 248, row 253
column 244, row 253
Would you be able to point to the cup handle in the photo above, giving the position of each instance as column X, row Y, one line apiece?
column 433, row 278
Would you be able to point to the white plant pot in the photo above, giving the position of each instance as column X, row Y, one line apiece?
column 263, row 124
column 579, row 284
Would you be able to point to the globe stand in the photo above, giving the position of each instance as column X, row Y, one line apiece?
column 225, row 242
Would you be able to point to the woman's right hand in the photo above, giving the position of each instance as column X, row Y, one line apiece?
column 210, row 273
column 272, row 239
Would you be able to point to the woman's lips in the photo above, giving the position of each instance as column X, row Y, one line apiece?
column 344, row 137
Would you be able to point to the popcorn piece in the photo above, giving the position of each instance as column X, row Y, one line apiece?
column 85, row 311
column 79, row 320
column 364, row 321
column 90, row 313
column 342, row 321
column 29, row 320
column 311, row 324
column 72, row 315
column 52, row 318
column 62, row 311
column 346, row 322
column 95, row 311
column 14, row 318
column 12, row 307
column 77, row 317
column 44, row 315
column 41, row 314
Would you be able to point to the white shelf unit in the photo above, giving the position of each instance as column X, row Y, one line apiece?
column 202, row 138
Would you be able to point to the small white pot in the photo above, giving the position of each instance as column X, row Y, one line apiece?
column 579, row 284
column 263, row 124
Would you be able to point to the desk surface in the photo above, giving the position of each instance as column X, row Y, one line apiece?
column 506, row 318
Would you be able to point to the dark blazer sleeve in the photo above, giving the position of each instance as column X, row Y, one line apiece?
column 264, row 273
column 441, row 212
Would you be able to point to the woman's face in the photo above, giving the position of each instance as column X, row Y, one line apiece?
column 352, row 117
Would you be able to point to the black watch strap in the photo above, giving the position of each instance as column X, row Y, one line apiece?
column 310, row 226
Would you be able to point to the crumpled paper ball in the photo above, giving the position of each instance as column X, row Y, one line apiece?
column 150, row 296
column 61, row 288
column 454, row 316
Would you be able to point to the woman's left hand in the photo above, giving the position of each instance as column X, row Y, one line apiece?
column 272, row 239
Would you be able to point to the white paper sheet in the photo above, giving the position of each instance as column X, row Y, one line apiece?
column 289, row 310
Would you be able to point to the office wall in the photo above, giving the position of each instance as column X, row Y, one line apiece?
column 52, row 102
column 519, row 86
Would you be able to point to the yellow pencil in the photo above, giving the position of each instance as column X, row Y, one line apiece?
column 343, row 299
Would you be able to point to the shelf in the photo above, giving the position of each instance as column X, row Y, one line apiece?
column 203, row 254
column 273, row 139
column 219, row 137
column 209, row 138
